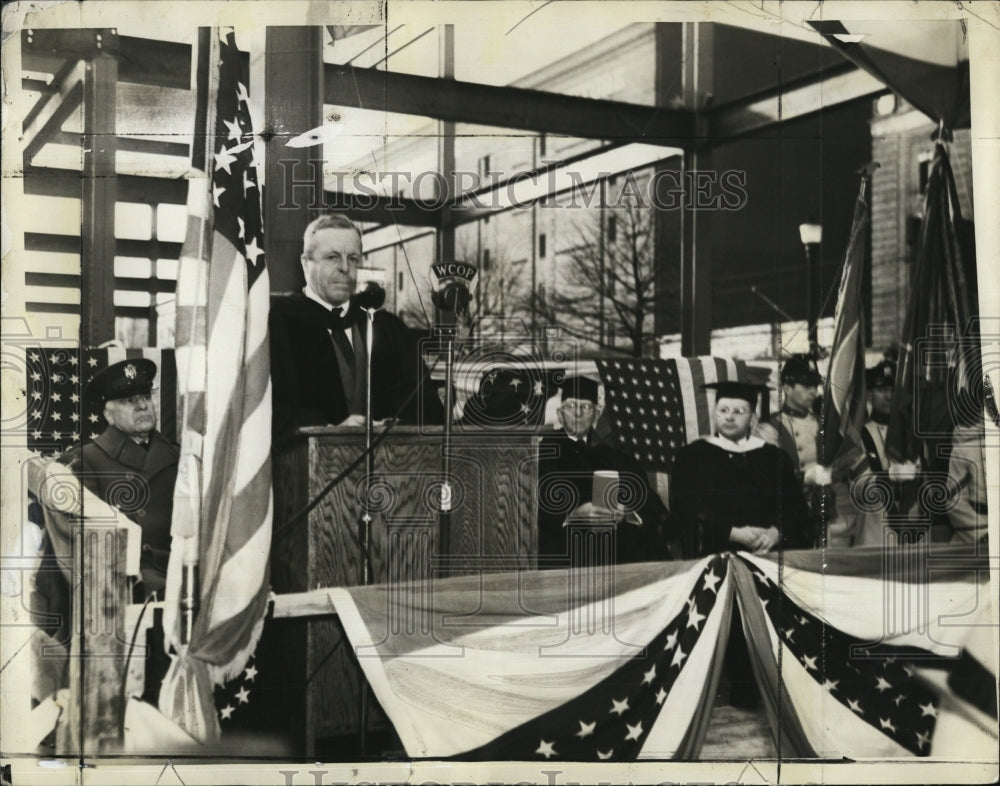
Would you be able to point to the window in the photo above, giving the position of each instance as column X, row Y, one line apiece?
column 541, row 145
column 612, row 229
column 541, row 245
column 486, row 259
column 399, row 287
column 484, row 166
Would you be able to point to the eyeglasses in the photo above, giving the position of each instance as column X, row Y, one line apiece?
column 578, row 408
column 737, row 411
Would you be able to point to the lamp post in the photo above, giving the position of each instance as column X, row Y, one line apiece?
column 811, row 234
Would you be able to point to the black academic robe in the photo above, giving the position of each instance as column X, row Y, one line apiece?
column 306, row 379
column 714, row 490
column 565, row 481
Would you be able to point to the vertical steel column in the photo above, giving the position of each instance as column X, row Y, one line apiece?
column 293, row 186
column 666, row 221
column 696, row 238
column 446, row 152
column 99, row 193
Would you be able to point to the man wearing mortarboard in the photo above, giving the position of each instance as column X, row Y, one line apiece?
column 566, row 467
column 732, row 489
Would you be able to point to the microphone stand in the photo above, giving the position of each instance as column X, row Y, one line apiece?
column 365, row 528
column 444, row 514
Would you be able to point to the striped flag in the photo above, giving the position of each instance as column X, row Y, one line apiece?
column 939, row 378
column 656, row 407
column 844, row 395
column 56, row 377
column 854, row 657
column 864, row 657
column 582, row 665
column 222, row 502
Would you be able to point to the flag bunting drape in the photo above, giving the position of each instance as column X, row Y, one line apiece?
column 522, row 667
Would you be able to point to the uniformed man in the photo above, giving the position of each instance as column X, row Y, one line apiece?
column 567, row 463
column 826, row 488
column 880, row 380
column 130, row 465
column 797, row 424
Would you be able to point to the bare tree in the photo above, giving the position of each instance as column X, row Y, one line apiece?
column 607, row 292
column 499, row 288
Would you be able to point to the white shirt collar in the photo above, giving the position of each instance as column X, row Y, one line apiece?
column 310, row 293
column 743, row 446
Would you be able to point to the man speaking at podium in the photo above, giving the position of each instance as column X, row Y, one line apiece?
column 318, row 356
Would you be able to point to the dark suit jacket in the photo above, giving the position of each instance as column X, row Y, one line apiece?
column 140, row 483
column 566, row 481
column 305, row 376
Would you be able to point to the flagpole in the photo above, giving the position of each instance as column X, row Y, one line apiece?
column 205, row 116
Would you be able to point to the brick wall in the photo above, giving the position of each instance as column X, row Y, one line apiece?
column 900, row 142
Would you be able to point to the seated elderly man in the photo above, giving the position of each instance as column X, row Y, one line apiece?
column 567, row 463
column 734, row 490
column 130, row 465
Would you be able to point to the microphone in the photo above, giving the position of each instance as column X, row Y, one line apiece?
column 452, row 296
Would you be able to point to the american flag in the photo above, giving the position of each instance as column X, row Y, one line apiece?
column 599, row 663
column 222, row 503
column 870, row 659
column 655, row 407
column 612, row 720
column 939, row 378
column 844, row 396
column 853, row 657
column 883, row 691
column 56, row 376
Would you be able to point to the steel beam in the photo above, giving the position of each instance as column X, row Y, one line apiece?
column 696, row 234
column 122, row 283
column 505, row 107
column 383, row 209
column 71, row 244
column 446, row 151
column 98, row 198
column 45, row 119
column 132, row 144
column 142, row 61
column 50, row 181
column 666, row 223
column 293, row 83
column 759, row 114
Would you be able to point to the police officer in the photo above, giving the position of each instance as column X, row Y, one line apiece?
column 130, row 465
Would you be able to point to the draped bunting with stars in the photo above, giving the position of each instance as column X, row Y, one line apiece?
column 627, row 669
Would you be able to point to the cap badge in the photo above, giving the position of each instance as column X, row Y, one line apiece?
column 130, row 371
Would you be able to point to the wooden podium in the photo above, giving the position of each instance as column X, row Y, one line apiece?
column 493, row 527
